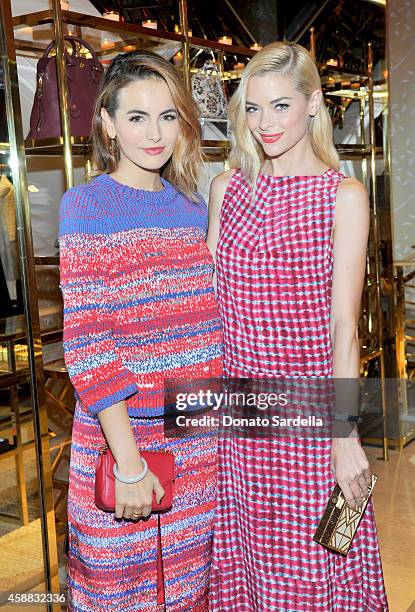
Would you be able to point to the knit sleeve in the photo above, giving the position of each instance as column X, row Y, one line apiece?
column 98, row 375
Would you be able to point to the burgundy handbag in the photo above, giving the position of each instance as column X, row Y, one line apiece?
column 84, row 76
column 159, row 462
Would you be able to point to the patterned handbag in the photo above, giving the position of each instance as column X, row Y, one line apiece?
column 208, row 91
column 339, row 523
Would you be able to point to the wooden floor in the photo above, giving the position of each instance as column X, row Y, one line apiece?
column 394, row 500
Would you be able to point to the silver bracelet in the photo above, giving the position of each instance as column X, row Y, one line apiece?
column 132, row 479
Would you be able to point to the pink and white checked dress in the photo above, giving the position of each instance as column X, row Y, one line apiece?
column 274, row 267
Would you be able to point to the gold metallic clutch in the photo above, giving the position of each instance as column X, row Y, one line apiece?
column 339, row 522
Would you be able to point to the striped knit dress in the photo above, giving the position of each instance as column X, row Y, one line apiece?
column 274, row 269
column 138, row 308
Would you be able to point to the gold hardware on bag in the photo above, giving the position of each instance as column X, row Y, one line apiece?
column 339, row 522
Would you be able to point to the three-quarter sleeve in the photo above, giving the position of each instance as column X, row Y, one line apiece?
column 97, row 373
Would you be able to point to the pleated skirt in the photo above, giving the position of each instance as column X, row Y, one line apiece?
column 271, row 496
column 112, row 564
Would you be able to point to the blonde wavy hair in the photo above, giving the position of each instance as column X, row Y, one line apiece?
column 288, row 59
column 183, row 168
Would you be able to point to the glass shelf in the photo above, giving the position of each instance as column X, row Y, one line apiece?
column 54, row 146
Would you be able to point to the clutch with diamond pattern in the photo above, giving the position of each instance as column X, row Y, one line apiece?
column 339, row 522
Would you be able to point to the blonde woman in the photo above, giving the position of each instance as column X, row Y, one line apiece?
column 139, row 307
column 291, row 234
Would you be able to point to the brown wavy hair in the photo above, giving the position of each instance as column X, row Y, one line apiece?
column 184, row 166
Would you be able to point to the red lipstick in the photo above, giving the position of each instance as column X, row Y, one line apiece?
column 270, row 138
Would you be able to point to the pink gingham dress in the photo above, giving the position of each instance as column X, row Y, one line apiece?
column 274, row 268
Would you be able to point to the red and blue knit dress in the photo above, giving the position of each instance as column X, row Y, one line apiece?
column 139, row 307
column 274, row 270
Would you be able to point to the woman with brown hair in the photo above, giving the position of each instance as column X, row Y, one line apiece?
column 138, row 308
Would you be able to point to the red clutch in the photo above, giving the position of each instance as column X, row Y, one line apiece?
column 159, row 462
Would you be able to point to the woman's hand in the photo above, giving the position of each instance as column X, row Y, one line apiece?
column 351, row 469
column 133, row 501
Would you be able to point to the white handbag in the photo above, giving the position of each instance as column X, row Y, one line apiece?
column 208, row 91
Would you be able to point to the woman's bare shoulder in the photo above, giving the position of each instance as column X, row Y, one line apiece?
column 352, row 204
column 350, row 189
column 218, row 187
column 221, row 181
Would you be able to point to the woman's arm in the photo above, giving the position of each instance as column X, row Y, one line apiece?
column 97, row 373
column 216, row 195
column 99, row 377
column 349, row 463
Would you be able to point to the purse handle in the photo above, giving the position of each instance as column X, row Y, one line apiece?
column 71, row 40
column 211, row 68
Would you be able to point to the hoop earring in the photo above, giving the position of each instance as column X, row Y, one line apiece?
column 113, row 147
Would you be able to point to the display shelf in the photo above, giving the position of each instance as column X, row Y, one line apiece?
column 54, row 146
column 15, row 450
column 31, row 20
column 203, row 43
column 82, row 147
column 12, row 379
column 355, row 93
column 216, row 144
column 358, row 150
column 42, row 18
column 367, row 355
column 47, row 260
column 27, row 48
column 338, row 74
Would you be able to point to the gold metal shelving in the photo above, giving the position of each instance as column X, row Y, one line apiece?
column 141, row 34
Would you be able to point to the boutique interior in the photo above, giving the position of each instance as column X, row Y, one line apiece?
column 363, row 51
